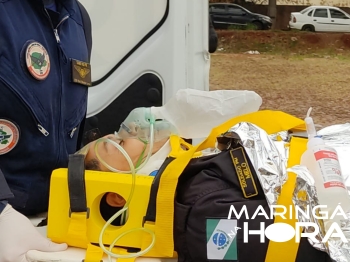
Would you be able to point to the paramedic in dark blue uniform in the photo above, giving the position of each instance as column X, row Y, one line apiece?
column 44, row 80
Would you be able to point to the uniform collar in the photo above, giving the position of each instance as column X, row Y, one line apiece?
column 67, row 4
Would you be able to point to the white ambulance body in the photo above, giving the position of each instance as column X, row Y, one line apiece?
column 143, row 52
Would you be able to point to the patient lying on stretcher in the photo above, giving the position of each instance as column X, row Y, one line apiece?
column 185, row 111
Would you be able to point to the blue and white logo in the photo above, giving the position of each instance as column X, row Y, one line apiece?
column 221, row 239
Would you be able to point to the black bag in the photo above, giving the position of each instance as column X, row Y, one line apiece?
column 206, row 190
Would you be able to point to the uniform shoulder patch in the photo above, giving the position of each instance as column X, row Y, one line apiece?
column 9, row 136
column 37, row 60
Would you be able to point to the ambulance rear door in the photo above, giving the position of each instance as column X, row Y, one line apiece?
column 143, row 52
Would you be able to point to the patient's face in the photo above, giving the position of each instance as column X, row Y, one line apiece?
column 114, row 158
column 112, row 155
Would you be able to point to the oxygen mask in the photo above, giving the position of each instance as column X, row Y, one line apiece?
column 137, row 125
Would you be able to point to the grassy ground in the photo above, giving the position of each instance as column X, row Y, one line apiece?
column 289, row 83
column 287, row 43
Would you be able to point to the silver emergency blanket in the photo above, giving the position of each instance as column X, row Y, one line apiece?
column 269, row 156
column 308, row 198
column 337, row 249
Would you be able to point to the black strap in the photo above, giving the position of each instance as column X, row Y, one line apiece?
column 87, row 27
column 76, row 183
column 152, row 203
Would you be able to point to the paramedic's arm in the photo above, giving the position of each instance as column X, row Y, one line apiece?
column 17, row 234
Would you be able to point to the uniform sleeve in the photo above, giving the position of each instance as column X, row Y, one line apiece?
column 5, row 192
column 213, row 37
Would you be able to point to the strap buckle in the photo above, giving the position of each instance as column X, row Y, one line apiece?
column 87, row 212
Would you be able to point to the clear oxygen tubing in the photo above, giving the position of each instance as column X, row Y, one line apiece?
column 133, row 171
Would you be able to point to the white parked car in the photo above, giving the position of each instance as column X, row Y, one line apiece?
column 320, row 19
